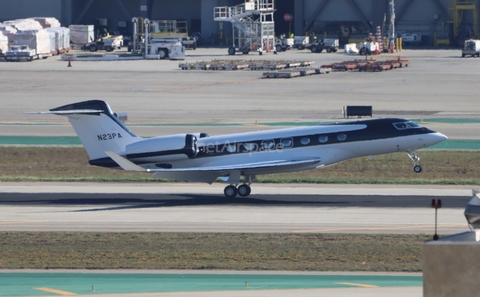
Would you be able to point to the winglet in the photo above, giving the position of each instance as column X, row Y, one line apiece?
column 124, row 163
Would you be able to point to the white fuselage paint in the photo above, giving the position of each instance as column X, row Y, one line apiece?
column 328, row 154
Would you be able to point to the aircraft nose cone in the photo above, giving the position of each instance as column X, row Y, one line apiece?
column 436, row 138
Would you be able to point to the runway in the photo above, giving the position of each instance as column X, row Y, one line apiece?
column 182, row 207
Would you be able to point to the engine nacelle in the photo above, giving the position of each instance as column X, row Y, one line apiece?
column 163, row 148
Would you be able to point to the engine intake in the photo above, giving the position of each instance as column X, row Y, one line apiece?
column 164, row 148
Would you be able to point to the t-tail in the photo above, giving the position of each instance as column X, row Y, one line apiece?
column 98, row 128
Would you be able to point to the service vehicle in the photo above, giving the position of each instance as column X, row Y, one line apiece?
column 471, row 48
column 282, row 44
column 302, row 42
column 369, row 48
column 165, row 48
column 329, row 45
column 107, row 43
column 411, row 38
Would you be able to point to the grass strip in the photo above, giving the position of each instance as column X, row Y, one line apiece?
column 296, row 252
column 71, row 164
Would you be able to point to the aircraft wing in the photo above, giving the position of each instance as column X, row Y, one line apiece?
column 210, row 173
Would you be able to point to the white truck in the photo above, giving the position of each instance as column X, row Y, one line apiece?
column 107, row 43
column 368, row 47
column 165, row 48
column 282, row 44
column 471, row 48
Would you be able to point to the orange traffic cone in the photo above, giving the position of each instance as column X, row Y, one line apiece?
column 69, row 62
column 392, row 50
column 376, row 50
column 399, row 58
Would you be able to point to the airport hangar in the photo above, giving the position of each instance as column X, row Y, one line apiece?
column 436, row 21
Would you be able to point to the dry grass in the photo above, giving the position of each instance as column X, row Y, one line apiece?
column 71, row 164
column 301, row 252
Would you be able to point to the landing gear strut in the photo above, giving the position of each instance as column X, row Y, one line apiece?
column 416, row 160
column 231, row 191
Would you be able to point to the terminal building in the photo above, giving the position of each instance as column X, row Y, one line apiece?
column 435, row 22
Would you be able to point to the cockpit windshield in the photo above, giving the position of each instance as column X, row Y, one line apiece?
column 406, row 125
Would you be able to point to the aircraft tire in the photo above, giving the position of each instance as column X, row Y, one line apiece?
column 244, row 190
column 230, row 191
column 163, row 53
column 417, row 168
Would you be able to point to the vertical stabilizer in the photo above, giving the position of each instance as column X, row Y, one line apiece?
column 98, row 127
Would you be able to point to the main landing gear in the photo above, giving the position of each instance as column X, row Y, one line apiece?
column 416, row 160
column 231, row 191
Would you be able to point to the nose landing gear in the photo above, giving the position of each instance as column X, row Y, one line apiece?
column 416, row 162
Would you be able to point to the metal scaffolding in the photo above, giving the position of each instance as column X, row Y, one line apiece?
column 389, row 25
column 252, row 22
column 457, row 10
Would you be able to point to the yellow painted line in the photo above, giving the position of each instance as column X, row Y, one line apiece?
column 359, row 285
column 59, row 292
column 376, row 228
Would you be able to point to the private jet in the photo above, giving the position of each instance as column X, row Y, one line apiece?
column 238, row 158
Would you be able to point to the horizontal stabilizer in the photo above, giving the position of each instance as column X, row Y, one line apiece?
column 67, row 112
column 124, row 163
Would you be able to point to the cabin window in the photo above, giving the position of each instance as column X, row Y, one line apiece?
column 323, row 139
column 400, row 126
column 250, row 146
column 406, row 125
column 411, row 124
column 305, row 140
column 268, row 145
column 231, row 148
column 341, row 136
column 286, row 142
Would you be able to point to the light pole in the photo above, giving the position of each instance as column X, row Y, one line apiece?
column 436, row 204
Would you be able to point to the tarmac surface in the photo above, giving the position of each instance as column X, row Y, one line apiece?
column 438, row 84
column 183, row 207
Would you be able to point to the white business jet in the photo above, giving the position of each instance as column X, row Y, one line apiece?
column 238, row 158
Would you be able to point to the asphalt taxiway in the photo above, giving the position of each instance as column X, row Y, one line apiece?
column 271, row 208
